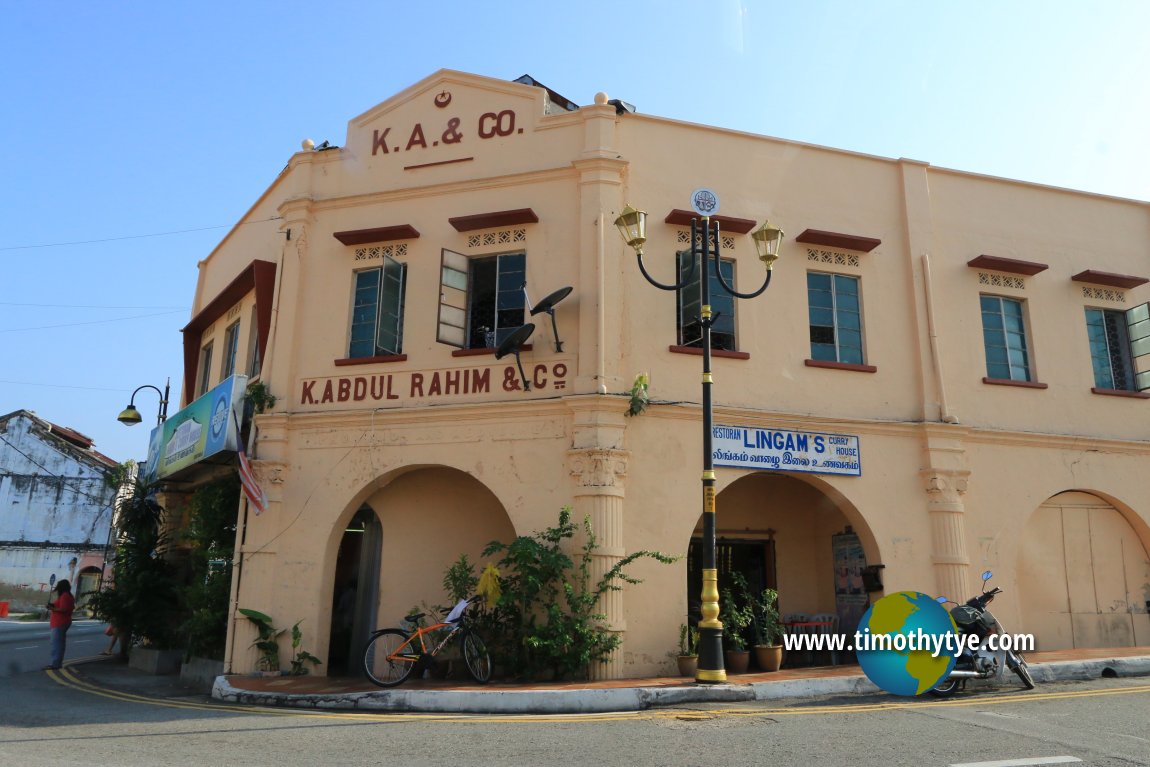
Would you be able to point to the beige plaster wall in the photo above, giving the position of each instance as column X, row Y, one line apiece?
column 936, row 503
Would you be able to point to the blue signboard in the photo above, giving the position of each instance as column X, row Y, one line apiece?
column 745, row 447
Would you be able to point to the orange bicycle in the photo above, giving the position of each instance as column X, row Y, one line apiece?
column 392, row 655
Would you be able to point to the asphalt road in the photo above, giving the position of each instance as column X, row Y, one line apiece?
column 56, row 719
column 24, row 646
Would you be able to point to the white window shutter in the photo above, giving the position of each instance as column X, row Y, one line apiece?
column 453, row 299
column 1138, row 328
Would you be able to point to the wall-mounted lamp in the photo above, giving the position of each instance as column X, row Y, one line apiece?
column 129, row 416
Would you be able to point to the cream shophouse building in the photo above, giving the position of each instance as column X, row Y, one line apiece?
column 943, row 377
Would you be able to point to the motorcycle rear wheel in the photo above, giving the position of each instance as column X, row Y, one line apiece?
column 945, row 688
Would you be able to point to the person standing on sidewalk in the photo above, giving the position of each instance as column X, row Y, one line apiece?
column 60, row 621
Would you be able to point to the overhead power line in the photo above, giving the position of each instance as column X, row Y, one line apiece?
column 92, row 322
column 131, row 236
column 87, row 306
column 123, row 390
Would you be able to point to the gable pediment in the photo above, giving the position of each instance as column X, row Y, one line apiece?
column 445, row 119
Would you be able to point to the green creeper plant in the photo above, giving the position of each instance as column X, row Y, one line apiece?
column 211, row 535
column 639, row 395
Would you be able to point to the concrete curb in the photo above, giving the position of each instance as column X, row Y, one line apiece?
column 809, row 688
column 586, row 701
column 1077, row 670
column 616, row 699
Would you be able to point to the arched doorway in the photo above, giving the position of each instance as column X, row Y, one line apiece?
column 355, row 592
column 396, row 548
column 792, row 535
column 87, row 583
column 1083, row 575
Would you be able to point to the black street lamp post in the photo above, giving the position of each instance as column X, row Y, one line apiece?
column 632, row 225
column 130, row 416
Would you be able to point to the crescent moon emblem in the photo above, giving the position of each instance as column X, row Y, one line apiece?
column 442, row 99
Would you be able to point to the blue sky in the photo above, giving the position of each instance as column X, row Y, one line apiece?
column 124, row 120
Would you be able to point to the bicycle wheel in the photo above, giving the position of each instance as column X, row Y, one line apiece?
column 380, row 662
column 476, row 657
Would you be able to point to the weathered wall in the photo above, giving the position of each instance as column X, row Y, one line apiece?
column 54, row 505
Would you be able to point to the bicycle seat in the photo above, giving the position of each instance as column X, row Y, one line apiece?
column 414, row 617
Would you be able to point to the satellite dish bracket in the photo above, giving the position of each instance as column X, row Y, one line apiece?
column 512, row 344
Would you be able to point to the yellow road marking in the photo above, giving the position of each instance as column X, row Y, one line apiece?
column 68, row 678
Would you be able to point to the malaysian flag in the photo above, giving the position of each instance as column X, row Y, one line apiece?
column 256, row 496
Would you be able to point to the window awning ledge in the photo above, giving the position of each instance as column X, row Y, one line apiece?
column 1110, row 279
column 726, row 223
column 379, row 234
column 1008, row 265
column 837, row 240
column 492, row 220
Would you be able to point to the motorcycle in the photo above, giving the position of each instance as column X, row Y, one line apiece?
column 983, row 663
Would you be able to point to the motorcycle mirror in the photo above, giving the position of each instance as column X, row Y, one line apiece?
column 941, row 600
column 986, row 575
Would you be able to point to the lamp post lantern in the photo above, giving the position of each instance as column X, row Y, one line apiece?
column 632, row 226
column 129, row 416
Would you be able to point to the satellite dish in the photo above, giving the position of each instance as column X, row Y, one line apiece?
column 513, row 344
column 548, row 305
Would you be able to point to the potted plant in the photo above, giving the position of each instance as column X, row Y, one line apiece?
column 301, row 656
column 688, row 657
column 768, row 631
column 736, row 617
column 267, row 641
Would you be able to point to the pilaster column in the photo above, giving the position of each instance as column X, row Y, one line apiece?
column 945, row 478
column 599, row 474
column 944, row 490
column 597, row 464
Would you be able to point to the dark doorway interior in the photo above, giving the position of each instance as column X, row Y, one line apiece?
column 755, row 559
column 355, row 592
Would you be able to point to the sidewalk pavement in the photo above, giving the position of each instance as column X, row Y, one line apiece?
column 451, row 696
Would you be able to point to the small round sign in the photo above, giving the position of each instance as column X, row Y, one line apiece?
column 705, row 202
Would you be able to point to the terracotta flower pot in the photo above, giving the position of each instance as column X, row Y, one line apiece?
column 769, row 657
column 688, row 664
column 737, row 661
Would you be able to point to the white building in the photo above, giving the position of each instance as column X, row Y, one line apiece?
column 55, row 504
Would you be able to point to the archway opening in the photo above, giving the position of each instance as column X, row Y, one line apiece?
column 394, row 552
column 1083, row 575
column 791, row 535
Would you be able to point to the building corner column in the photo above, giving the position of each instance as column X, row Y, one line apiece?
column 598, row 465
